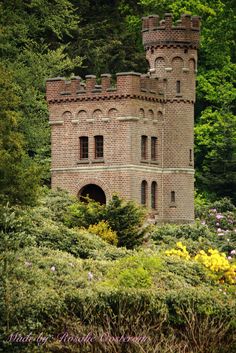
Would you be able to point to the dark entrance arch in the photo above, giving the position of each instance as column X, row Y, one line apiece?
column 94, row 192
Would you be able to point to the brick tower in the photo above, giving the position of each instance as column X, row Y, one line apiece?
column 134, row 136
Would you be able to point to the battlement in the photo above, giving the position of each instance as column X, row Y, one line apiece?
column 156, row 32
column 127, row 84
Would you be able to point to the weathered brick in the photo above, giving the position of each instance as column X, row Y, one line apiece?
column 153, row 105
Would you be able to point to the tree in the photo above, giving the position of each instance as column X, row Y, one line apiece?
column 127, row 220
column 19, row 176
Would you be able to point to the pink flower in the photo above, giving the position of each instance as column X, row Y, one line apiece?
column 217, row 224
column 233, row 252
column 219, row 216
column 203, row 222
column 229, row 258
column 219, row 229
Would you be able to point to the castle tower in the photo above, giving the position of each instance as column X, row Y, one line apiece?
column 134, row 136
column 171, row 51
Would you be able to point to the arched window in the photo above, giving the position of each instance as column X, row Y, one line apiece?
column 113, row 113
column 160, row 67
column 178, row 87
column 190, row 155
column 144, row 193
column 141, row 113
column 144, row 140
column 172, row 196
column 97, row 114
column 98, row 146
column 82, row 115
column 151, row 114
column 153, row 148
column 154, row 195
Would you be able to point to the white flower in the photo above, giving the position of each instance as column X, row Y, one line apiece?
column 90, row 276
column 28, row 264
column 53, row 268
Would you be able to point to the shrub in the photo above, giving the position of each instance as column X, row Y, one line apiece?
column 104, row 231
column 181, row 251
column 195, row 236
column 83, row 214
column 219, row 266
column 56, row 203
column 221, row 220
column 137, row 271
column 127, row 220
column 220, row 269
column 124, row 217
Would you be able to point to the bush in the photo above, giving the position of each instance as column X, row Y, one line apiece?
column 127, row 220
column 103, row 230
column 137, row 271
column 124, row 217
column 219, row 267
column 83, row 214
column 196, row 236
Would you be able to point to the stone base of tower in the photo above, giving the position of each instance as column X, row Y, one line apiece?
column 174, row 193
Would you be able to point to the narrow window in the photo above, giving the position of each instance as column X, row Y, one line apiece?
column 144, row 192
column 154, row 148
column 98, row 146
column 154, row 195
column 83, row 147
column 144, row 140
column 177, row 86
column 190, row 156
column 172, row 196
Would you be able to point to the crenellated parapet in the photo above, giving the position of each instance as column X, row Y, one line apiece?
column 158, row 33
column 127, row 84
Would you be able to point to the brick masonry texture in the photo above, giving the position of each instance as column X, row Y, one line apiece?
column 157, row 104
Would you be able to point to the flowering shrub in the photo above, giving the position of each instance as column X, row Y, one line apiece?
column 181, row 251
column 104, row 231
column 220, row 267
column 218, row 264
column 220, row 218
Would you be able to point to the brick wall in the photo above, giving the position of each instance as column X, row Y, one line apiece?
column 153, row 105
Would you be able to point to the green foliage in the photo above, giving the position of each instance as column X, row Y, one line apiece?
column 83, row 214
column 127, row 220
column 215, row 136
column 124, row 218
column 196, row 236
column 32, row 49
column 107, row 290
column 220, row 217
column 137, row 271
column 19, row 176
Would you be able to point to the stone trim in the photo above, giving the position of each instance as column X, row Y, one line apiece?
column 131, row 167
column 56, row 122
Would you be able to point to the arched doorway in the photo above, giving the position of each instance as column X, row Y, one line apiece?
column 94, row 192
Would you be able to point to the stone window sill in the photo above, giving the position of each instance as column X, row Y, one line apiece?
column 173, row 205
column 98, row 160
column 83, row 161
column 144, row 161
column 154, row 162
